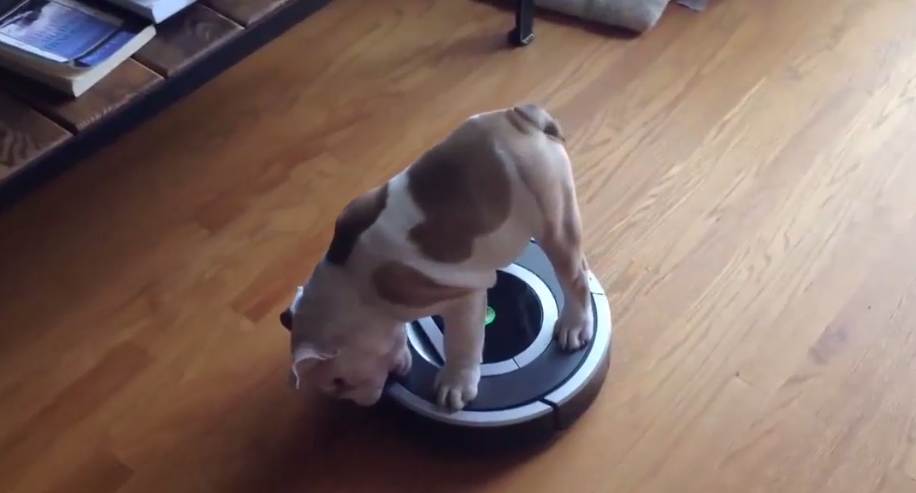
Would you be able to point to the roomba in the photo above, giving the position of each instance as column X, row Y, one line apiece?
column 530, row 389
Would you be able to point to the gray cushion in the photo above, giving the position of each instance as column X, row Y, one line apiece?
column 634, row 15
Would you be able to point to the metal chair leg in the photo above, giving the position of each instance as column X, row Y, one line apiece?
column 523, row 32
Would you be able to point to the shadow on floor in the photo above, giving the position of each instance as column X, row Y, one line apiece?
column 272, row 442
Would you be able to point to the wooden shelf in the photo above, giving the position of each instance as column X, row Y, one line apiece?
column 42, row 133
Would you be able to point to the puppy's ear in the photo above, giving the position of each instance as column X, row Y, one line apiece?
column 286, row 319
column 306, row 352
column 304, row 357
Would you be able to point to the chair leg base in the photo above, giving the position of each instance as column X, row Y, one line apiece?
column 523, row 32
column 518, row 39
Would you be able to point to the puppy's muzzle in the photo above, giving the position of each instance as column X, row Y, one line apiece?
column 286, row 319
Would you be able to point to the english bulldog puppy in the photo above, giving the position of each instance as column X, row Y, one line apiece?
column 429, row 242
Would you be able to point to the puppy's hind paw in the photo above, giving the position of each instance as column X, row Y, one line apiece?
column 574, row 332
column 456, row 387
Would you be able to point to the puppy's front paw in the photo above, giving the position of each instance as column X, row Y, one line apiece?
column 402, row 362
column 456, row 387
column 574, row 329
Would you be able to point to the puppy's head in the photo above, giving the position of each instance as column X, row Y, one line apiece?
column 339, row 346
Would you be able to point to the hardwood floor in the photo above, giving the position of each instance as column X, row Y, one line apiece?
column 746, row 177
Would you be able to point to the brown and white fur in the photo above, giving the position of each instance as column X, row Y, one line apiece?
column 429, row 241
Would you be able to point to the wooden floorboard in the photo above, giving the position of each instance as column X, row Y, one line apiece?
column 746, row 181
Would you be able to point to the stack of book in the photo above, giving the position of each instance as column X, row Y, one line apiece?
column 71, row 45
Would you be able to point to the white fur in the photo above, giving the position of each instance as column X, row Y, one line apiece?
column 342, row 329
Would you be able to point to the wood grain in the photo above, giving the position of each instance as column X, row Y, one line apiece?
column 98, row 472
column 245, row 12
column 183, row 39
column 127, row 81
column 745, row 177
column 25, row 134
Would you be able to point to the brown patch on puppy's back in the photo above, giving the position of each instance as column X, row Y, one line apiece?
column 464, row 191
column 355, row 218
column 403, row 285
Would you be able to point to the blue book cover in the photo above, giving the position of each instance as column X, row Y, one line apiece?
column 65, row 31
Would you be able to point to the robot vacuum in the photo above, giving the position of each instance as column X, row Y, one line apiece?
column 530, row 389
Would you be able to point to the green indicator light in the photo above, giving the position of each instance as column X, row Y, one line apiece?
column 491, row 315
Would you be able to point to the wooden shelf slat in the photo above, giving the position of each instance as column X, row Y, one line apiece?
column 24, row 134
column 245, row 12
column 43, row 132
column 127, row 81
column 184, row 38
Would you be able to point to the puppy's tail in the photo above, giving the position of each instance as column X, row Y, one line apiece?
column 529, row 116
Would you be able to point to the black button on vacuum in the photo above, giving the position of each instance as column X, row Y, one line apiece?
column 515, row 317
